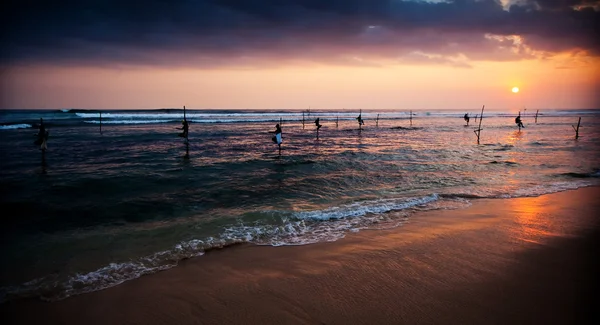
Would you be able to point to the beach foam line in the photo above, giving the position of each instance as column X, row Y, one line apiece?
column 229, row 115
column 129, row 121
column 141, row 121
column 15, row 126
column 296, row 228
column 582, row 175
column 555, row 187
column 54, row 289
column 362, row 208
column 179, row 115
column 530, row 191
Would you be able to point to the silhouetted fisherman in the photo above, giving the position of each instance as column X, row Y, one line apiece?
column 318, row 124
column 467, row 118
column 185, row 126
column 277, row 137
column 518, row 121
column 42, row 137
column 361, row 122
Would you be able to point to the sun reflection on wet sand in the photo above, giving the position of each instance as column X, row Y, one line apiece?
column 534, row 219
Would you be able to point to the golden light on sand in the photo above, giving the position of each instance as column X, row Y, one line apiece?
column 515, row 90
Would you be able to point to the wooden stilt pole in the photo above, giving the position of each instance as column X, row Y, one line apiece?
column 377, row 121
column 337, row 120
column 411, row 118
column 536, row 115
column 478, row 130
column 100, row 122
column 476, row 117
column 302, row 120
column 577, row 129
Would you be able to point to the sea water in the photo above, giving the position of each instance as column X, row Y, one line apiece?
column 117, row 197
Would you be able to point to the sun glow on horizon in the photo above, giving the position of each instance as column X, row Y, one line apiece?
column 515, row 90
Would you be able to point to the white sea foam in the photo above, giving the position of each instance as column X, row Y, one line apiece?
column 108, row 276
column 129, row 121
column 15, row 126
column 362, row 208
column 548, row 188
column 300, row 228
column 178, row 115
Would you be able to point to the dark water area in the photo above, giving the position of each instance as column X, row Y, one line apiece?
column 97, row 209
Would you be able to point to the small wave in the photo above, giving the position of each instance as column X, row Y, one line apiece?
column 537, row 143
column 538, row 190
column 504, row 147
column 582, row 175
column 309, row 227
column 462, row 196
column 53, row 289
column 179, row 115
column 298, row 228
column 406, row 128
column 238, row 120
column 129, row 121
column 507, row 162
column 298, row 162
column 15, row 126
column 362, row 208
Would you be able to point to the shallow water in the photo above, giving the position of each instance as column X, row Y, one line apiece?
column 100, row 209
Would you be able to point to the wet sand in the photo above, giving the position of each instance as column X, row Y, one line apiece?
column 500, row 261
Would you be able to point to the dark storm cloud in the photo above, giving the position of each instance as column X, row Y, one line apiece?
column 214, row 32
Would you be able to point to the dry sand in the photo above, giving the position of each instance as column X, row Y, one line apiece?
column 500, row 261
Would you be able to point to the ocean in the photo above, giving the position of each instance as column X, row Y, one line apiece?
column 101, row 208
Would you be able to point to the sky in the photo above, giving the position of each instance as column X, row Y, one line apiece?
column 299, row 54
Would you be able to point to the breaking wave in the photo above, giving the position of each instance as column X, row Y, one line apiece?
column 15, row 126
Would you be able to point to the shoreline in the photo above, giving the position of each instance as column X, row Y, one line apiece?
column 516, row 260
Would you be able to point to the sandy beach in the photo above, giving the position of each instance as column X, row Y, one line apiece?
column 500, row 261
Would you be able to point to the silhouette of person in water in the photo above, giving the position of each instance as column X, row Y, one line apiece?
column 277, row 137
column 317, row 123
column 467, row 118
column 518, row 121
column 360, row 120
column 42, row 136
column 185, row 126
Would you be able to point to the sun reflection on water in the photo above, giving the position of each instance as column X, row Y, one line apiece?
column 533, row 219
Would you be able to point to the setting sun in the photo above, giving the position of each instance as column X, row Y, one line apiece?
column 515, row 90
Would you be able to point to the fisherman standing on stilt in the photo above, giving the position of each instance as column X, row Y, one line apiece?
column 42, row 137
column 519, row 122
column 467, row 118
column 318, row 124
column 277, row 137
column 361, row 122
column 185, row 126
